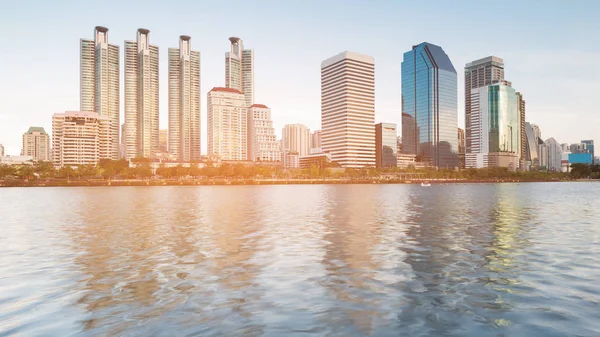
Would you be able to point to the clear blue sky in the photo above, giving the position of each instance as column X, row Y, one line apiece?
column 551, row 51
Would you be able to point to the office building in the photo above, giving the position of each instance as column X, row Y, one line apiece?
column 184, row 101
column 429, row 106
column 291, row 160
column 227, row 124
column 80, row 138
column 318, row 160
column 99, row 83
column 262, row 142
column 532, row 147
column 521, row 110
column 461, row 148
column 239, row 69
column 386, row 145
column 36, row 143
column 554, row 155
column 495, row 127
column 295, row 138
column 479, row 73
column 589, row 146
column 348, row 109
column 315, row 139
column 141, row 96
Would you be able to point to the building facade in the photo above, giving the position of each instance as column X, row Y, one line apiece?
column 184, row 101
column 291, row 160
column 295, row 138
column 141, row 97
column 348, row 109
column 495, row 127
column 554, row 155
column 315, row 140
column 429, row 106
column 36, row 143
column 531, row 147
column 521, row 110
column 227, row 124
column 80, row 138
column 589, row 146
column 386, row 145
column 100, row 84
column 239, row 69
column 479, row 73
column 262, row 142
column 461, row 148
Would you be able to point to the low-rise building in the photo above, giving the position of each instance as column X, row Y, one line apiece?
column 319, row 160
column 80, row 138
column 36, row 143
column 16, row 160
column 291, row 160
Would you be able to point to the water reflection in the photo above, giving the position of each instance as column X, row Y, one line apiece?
column 325, row 260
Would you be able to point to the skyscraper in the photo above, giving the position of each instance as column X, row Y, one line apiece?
column 262, row 142
column 348, row 109
column 479, row 73
column 429, row 106
column 386, row 145
column 315, row 139
column 521, row 110
column 227, row 124
column 295, row 138
column 239, row 69
column 80, row 138
column 36, row 143
column 532, row 148
column 184, row 101
column 141, row 96
column 554, row 155
column 495, row 127
column 99, row 83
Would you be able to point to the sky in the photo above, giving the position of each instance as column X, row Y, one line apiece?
column 551, row 51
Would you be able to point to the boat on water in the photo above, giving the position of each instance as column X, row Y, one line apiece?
column 425, row 184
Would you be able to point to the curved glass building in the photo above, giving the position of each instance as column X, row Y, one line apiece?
column 429, row 106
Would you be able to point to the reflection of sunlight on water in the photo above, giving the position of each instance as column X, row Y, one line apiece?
column 346, row 260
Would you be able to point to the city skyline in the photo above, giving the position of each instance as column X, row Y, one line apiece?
column 527, row 65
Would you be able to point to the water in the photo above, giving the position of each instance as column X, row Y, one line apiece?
column 317, row 260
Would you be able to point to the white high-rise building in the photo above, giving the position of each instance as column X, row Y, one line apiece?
column 295, row 138
column 227, row 124
column 80, row 138
column 184, row 101
column 239, row 69
column 99, row 82
column 141, row 96
column 262, row 142
column 36, row 143
column 348, row 109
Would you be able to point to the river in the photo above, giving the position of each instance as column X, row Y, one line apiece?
column 306, row 260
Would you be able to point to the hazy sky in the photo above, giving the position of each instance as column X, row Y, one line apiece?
column 551, row 51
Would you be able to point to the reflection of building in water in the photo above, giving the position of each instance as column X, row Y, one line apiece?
column 352, row 234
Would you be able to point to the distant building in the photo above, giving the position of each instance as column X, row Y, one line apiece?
column 315, row 140
column 141, row 96
column 262, row 142
column 100, row 82
column 80, row 138
column 461, row 148
column 523, row 138
column 580, row 158
column 295, row 138
column 16, row 160
column 227, row 124
column 163, row 140
column 406, row 160
column 589, row 146
column 495, row 127
column 348, row 109
column 239, row 70
column 36, row 143
column 429, row 106
column 532, row 156
column 184, row 102
column 554, row 155
column 386, row 146
column 1, row 150
column 319, row 160
column 291, row 160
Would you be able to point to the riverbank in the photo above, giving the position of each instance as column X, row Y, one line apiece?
column 237, row 182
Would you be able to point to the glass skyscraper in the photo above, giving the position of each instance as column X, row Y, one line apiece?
column 429, row 106
column 386, row 142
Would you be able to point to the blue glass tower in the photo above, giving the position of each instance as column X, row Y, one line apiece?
column 429, row 106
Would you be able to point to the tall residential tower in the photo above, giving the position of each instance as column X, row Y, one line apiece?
column 99, row 83
column 348, row 109
column 227, row 124
column 184, row 101
column 479, row 73
column 239, row 69
column 429, row 106
column 141, row 96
